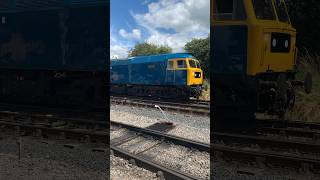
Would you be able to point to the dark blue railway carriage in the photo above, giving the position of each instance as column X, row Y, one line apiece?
column 53, row 52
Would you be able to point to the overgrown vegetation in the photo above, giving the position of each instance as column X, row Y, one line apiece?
column 146, row 48
column 305, row 18
column 206, row 91
column 307, row 107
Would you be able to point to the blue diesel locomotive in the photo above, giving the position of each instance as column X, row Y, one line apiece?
column 53, row 53
column 176, row 75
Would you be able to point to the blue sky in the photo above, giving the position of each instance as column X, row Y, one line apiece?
column 163, row 22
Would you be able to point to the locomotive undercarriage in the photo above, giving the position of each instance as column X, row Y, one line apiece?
column 276, row 92
column 166, row 92
column 238, row 98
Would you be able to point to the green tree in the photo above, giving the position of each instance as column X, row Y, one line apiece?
column 305, row 18
column 200, row 49
column 144, row 49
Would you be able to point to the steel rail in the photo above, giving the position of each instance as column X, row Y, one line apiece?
column 267, row 156
column 176, row 107
column 162, row 136
column 52, row 117
column 263, row 142
column 165, row 172
column 100, row 136
column 303, row 133
column 287, row 124
column 187, row 103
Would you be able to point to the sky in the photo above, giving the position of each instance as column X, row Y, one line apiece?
column 162, row 22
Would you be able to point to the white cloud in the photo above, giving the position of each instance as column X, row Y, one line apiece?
column 119, row 51
column 187, row 18
column 183, row 20
column 135, row 34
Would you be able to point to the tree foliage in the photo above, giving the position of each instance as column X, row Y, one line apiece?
column 144, row 49
column 200, row 49
column 305, row 18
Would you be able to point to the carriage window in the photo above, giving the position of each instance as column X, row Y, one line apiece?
column 170, row 65
column 182, row 64
column 281, row 11
column 264, row 9
column 229, row 10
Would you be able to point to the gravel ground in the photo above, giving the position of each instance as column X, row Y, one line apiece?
column 188, row 126
column 181, row 158
column 236, row 171
column 122, row 170
column 50, row 159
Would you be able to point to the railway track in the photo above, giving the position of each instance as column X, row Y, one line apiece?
column 157, row 132
column 189, row 107
column 57, row 126
column 290, row 129
column 86, row 130
column 282, row 143
column 287, row 144
column 84, row 112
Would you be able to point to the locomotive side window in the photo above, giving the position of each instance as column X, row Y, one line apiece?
column 264, row 9
column 182, row 64
column 281, row 11
column 170, row 65
column 229, row 10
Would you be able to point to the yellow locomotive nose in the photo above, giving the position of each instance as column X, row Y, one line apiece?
column 195, row 74
column 196, row 77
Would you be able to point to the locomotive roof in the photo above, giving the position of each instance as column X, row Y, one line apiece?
column 152, row 58
column 35, row 5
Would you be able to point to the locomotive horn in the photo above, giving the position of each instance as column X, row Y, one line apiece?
column 308, row 83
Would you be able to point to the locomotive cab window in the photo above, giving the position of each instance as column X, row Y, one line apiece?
column 198, row 64
column 181, row 64
column 282, row 11
column 194, row 63
column 264, row 9
column 229, row 10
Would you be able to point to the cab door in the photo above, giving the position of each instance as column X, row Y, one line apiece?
column 170, row 73
column 229, row 48
column 181, row 74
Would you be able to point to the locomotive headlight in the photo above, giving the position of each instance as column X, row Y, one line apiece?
column 3, row 19
column 286, row 43
column 274, row 42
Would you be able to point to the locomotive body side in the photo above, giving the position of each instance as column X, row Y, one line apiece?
column 51, row 55
column 158, row 75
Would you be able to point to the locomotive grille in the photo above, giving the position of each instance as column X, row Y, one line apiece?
column 197, row 74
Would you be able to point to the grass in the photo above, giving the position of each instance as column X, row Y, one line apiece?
column 307, row 107
column 205, row 95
